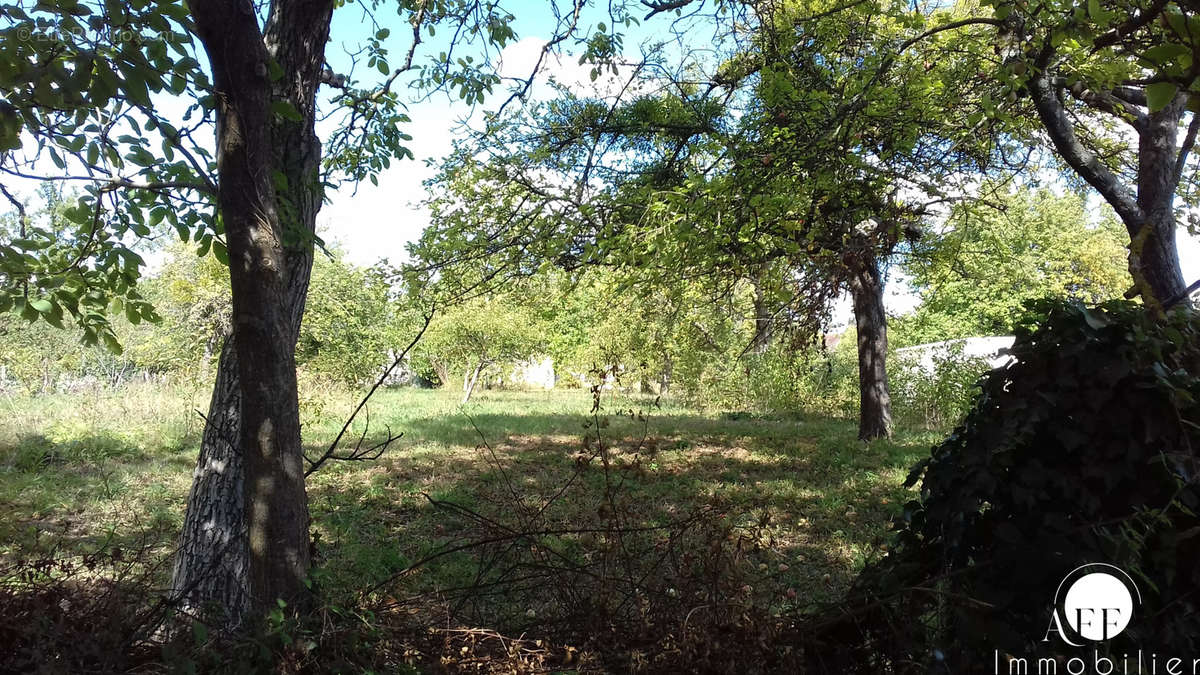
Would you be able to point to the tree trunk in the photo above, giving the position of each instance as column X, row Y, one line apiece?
column 210, row 576
column 762, row 317
column 875, row 403
column 441, row 370
column 1153, row 256
column 664, row 378
column 469, row 383
column 1148, row 218
column 214, row 567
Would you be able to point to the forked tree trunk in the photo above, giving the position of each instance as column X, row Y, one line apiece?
column 870, row 320
column 1149, row 215
column 214, row 570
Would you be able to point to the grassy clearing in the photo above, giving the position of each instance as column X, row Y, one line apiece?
column 79, row 472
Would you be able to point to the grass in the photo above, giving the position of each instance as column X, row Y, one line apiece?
column 81, row 472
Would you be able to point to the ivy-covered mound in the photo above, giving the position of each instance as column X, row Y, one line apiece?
column 1083, row 450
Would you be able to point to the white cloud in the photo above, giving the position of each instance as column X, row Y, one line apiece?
column 375, row 222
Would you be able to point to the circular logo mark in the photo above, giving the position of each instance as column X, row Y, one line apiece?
column 1096, row 601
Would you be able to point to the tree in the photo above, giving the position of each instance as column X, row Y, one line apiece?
column 482, row 333
column 191, row 293
column 86, row 97
column 350, row 323
column 349, row 320
column 1112, row 83
column 801, row 153
column 974, row 277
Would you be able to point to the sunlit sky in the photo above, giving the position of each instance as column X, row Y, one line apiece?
column 376, row 222
column 370, row 222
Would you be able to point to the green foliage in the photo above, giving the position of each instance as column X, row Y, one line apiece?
column 1099, row 44
column 192, row 294
column 374, row 521
column 936, row 398
column 974, row 277
column 350, row 323
column 62, row 263
column 1082, row 451
column 113, row 97
column 480, row 333
column 76, row 90
column 824, row 382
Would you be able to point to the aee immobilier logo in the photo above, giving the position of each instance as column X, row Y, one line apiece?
column 1093, row 604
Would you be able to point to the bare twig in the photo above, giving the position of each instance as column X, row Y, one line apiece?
column 375, row 451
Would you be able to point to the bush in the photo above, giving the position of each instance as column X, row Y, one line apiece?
column 1082, row 451
column 937, row 398
column 826, row 384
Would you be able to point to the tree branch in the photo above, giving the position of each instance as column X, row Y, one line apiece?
column 1130, row 95
column 979, row 20
column 177, row 143
column 1109, row 103
column 1054, row 117
column 378, row 448
column 666, row 6
column 550, row 44
column 1114, row 36
column 1183, row 295
column 1189, row 141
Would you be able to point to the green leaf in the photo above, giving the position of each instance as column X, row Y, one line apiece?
column 286, row 110
column 1164, row 54
column 220, row 252
column 42, row 305
column 1095, row 319
column 111, row 342
column 1160, row 94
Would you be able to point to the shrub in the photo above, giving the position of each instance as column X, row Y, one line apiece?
column 826, row 384
column 935, row 398
column 1081, row 451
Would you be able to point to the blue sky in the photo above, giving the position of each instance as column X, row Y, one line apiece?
column 371, row 223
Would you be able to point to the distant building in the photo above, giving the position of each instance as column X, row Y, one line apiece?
column 537, row 373
column 989, row 348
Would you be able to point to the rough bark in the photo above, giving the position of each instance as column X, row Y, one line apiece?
column 213, row 566
column 210, row 575
column 1154, row 252
column 875, row 402
column 1148, row 216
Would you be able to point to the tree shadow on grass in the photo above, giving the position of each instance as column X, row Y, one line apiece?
column 89, row 491
column 827, row 499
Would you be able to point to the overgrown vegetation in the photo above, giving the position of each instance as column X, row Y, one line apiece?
column 764, row 490
column 1081, row 451
column 701, row 238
